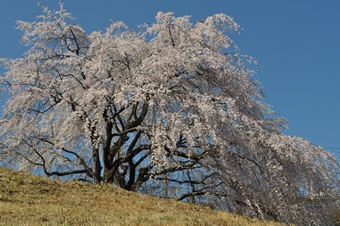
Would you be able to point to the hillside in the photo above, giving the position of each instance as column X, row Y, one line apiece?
column 34, row 200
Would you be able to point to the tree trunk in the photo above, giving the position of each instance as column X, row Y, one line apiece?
column 97, row 166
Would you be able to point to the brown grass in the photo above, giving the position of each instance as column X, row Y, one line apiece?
column 27, row 199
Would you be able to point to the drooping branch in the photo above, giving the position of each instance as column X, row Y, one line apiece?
column 88, row 170
column 191, row 194
column 43, row 164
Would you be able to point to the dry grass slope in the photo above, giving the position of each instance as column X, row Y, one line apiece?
column 27, row 199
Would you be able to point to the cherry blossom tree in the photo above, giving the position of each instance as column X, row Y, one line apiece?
column 172, row 110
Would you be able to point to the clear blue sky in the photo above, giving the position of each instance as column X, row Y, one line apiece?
column 296, row 42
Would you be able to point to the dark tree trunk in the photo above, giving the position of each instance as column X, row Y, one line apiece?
column 97, row 166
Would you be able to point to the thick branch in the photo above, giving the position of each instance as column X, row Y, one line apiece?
column 187, row 195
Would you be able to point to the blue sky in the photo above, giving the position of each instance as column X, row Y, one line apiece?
column 296, row 42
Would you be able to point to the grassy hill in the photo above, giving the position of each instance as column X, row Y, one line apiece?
column 33, row 200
